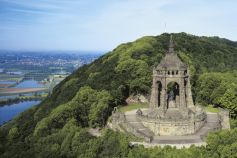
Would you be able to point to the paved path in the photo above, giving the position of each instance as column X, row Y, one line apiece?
column 177, row 139
column 178, row 146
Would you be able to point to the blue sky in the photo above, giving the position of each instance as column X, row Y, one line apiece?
column 103, row 24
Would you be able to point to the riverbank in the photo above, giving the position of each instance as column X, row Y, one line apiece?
column 11, row 101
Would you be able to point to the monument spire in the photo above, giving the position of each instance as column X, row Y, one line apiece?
column 171, row 45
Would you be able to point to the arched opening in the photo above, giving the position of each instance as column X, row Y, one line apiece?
column 172, row 72
column 173, row 95
column 159, row 92
column 185, row 72
column 177, row 72
column 185, row 86
column 168, row 72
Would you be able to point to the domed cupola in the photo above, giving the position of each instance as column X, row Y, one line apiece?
column 171, row 60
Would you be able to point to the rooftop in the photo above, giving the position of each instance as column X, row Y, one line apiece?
column 171, row 59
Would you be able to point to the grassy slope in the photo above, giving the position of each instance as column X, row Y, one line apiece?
column 132, row 107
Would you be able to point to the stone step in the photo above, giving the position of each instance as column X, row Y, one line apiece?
column 212, row 121
column 212, row 117
column 212, row 124
column 209, row 126
column 136, row 124
column 146, row 132
column 203, row 132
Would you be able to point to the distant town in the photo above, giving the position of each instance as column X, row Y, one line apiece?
column 32, row 75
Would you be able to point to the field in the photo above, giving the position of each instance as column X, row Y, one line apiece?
column 8, row 91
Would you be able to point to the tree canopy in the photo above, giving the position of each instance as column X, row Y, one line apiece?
column 58, row 126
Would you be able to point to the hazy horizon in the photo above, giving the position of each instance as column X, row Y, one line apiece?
column 82, row 52
column 66, row 25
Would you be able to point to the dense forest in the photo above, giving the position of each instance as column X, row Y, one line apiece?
column 58, row 126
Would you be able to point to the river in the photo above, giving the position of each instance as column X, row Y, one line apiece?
column 23, row 84
column 29, row 84
column 8, row 112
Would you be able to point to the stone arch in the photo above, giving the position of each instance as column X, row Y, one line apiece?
column 159, row 86
column 173, row 95
column 185, row 72
column 185, row 86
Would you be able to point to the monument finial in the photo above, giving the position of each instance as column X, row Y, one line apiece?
column 171, row 45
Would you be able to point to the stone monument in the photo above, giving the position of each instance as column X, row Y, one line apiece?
column 171, row 116
column 171, row 108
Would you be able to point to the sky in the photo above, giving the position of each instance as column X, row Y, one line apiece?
column 101, row 25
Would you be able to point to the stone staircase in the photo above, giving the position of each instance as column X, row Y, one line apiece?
column 213, row 120
column 212, row 123
column 138, row 127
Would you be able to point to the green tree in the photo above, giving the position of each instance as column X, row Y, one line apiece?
column 229, row 100
column 13, row 133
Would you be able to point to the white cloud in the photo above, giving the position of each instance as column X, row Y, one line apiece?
column 87, row 25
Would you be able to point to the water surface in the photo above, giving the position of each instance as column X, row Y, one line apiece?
column 8, row 112
column 29, row 84
column 7, row 82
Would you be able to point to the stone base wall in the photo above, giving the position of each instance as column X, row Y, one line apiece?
column 224, row 118
column 168, row 126
column 172, row 127
column 177, row 128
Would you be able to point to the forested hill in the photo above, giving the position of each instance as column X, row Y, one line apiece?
column 128, row 68
column 57, row 127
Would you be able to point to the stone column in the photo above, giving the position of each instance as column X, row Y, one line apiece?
column 154, row 94
column 182, row 94
column 163, row 98
column 189, row 93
